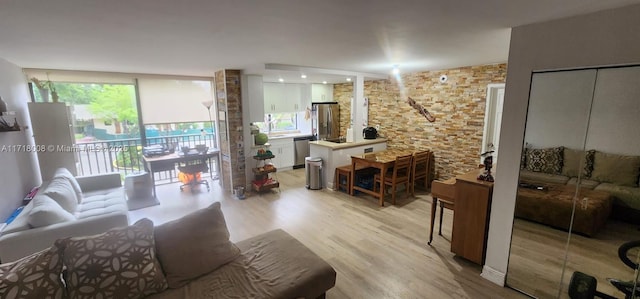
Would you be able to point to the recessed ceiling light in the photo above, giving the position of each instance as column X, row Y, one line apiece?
column 349, row 79
column 324, row 82
column 281, row 80
column 395, row 70
column 303, row 76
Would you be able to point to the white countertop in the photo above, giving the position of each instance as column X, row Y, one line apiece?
column 337, row 146
column 289, row 135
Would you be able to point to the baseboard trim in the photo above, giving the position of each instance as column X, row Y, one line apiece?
column 493, row 275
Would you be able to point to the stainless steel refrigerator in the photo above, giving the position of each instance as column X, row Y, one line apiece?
column 325, row 124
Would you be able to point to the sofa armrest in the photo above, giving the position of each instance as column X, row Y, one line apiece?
column 16, row 245
column 99, row 181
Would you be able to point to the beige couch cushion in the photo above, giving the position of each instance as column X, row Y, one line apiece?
column 544, row 178
column 46, row 211
column 572, row 160
column 33, row 276
column 60, row 190
column 120, row 263
column 272, row 265
column 616, row 169
column 623, row 195
column 194, row 245
column 586, row 184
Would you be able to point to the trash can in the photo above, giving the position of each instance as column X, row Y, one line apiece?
column 138, row 186
column 239, row 192
column 313, row 170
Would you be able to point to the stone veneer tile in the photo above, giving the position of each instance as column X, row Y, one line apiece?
column 458, row 106
column 228, row 95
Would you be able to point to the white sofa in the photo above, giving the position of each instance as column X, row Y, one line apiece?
column 64, row 207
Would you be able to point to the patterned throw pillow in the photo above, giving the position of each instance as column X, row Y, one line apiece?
column 548, row 160
column 120, row 263
column 33, row 276
column 588, row 164
column 523, row 156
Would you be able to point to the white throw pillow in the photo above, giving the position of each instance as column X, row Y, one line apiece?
column 60, row 190
column 64, row 173
column 46, row 212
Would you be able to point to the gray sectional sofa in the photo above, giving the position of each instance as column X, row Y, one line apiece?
column 618, row 175
column 65, row 206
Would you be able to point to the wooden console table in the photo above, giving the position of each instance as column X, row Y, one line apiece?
column 471, row 216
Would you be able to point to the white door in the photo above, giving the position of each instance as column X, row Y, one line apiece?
column 493, row 119
column 497, row 122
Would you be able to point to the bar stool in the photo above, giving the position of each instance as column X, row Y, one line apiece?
column 346, row 172
column 445, row 191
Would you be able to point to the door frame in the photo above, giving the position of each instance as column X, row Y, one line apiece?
column 489, row 119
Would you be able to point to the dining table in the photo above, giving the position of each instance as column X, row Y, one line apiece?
column 383, row 161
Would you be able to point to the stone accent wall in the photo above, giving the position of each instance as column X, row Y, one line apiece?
column 342, row 93
column 458, row 106
column 228, row 97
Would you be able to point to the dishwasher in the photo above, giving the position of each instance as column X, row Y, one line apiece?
column 301, row 145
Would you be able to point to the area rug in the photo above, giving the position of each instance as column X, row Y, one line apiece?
column 140, row 203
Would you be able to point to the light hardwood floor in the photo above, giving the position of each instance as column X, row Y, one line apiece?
column 537, row 255
column 378, row 252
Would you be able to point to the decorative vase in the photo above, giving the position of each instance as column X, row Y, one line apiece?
column 44, row 94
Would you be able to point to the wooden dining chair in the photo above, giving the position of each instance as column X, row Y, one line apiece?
column 420, row 170
column 401, row 174
column 445, row 192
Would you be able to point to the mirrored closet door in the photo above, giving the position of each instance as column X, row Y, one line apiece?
column 579, row 172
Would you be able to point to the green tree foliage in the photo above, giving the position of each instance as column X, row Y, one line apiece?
column 77, row 93
column 129, row 158
column 117, row 103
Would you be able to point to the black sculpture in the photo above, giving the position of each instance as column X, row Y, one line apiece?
column 488, row 163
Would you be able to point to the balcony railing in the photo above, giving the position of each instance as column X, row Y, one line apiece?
column 125, row 155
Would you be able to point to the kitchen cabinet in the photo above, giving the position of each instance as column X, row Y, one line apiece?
column 293, row 96
column 282, row 97
column 284, row 152
column 322, row 92
column 305, row 99
column 253, row 90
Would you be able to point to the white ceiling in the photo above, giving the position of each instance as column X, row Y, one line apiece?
column 198, row 37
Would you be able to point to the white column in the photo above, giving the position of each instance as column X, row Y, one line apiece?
column 359, row 109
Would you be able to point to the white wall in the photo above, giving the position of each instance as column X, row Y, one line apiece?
column 559, row 106
column 18, row 170
column 608, row 37
column 616, row 109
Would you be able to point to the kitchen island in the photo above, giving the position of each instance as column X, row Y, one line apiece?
column 338, row 154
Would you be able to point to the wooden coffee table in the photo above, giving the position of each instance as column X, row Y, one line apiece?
column 553, row 207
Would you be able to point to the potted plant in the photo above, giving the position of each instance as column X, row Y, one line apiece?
column 44, row 87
